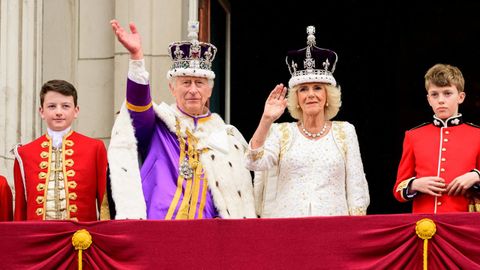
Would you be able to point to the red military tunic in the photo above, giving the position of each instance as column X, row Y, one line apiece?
column 446, row 149
column 6, row 200
column 84, row 170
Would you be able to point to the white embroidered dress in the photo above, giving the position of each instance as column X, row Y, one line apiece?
column 321, row 177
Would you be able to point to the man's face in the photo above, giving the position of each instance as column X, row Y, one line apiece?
column 58, row 111
column 191, row 94
column 444, row 100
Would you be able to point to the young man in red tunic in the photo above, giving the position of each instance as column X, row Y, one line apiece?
column 6, row 204
column 439, row 169
column 62, row 174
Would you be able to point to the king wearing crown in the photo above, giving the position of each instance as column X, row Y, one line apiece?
column 191, row 164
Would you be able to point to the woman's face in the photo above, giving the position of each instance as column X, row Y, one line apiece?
column 312, row 98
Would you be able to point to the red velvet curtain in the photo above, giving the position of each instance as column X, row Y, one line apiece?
column 368, row 242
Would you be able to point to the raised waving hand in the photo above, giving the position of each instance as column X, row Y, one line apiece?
column 131, row 41
column 276, row 103
column 274, row 108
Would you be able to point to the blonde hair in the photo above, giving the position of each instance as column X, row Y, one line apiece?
column 445, row 75
column 334, row 100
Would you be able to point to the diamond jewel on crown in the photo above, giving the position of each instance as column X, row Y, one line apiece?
column 311, row 64
column 194, row 54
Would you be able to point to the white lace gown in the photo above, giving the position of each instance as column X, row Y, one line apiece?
column 321, row 177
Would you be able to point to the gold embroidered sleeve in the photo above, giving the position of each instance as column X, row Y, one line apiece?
column 402, row 186
column 357, row 211
column 104, row 208
column 255, row 155
column 136, row 108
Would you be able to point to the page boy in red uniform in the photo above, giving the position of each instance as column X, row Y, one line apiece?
column 439, row 169
column 62, row 174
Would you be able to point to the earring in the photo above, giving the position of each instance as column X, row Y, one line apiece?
column 326, row 104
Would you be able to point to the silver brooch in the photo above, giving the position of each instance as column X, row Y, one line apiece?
column 185, row 170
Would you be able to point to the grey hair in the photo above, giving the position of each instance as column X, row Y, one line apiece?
column 334, row 100
column 173, row 79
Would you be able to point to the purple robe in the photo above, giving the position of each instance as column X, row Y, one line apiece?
column 159, row 150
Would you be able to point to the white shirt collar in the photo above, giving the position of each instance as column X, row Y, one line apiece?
column 57, row 136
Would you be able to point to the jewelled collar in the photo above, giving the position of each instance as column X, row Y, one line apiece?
column 450, row 122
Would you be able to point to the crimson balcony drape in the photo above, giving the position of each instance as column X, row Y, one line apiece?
column 364, row 242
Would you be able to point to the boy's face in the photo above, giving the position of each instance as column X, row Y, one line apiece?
column 58, row 111
column 444, row 100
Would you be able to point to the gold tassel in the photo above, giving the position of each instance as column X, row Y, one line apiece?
column 81, row 240
column 425, row 229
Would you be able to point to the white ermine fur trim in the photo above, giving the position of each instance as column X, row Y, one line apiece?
column 194, row 72
column 228, row 179
column 124, row 171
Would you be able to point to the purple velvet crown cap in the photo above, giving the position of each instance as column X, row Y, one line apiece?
column 191, row 58
column 311, row 64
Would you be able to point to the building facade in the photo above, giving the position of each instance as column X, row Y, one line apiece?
column 72, row 40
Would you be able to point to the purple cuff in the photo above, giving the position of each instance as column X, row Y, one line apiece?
column 138, row 94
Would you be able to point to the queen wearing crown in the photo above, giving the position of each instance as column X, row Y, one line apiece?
column 191, row 164
column 311, row 167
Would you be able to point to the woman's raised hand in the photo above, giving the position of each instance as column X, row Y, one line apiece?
column 276, row 103
column 131, row 41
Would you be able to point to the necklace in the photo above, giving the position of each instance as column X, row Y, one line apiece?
column 314, row 135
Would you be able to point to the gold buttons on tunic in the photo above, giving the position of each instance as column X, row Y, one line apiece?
column 72, row 196
column 40, row 199
column 69, row 152
column 40, row 187
column 442, row 169
column 444, row 159
column 69, row 143
column 447, row 132
column 69, row 162
column 444, row 149
column 72, row 184
column 43, row 165
column 439, row 203
column 44, row 154
column 39, row 211
column 70, row 173
column 42, row 175
column 45, row 144
column 445, row 140
column 72, row 208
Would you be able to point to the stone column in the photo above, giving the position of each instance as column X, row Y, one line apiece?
column 72, row 40
column 20, row 76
